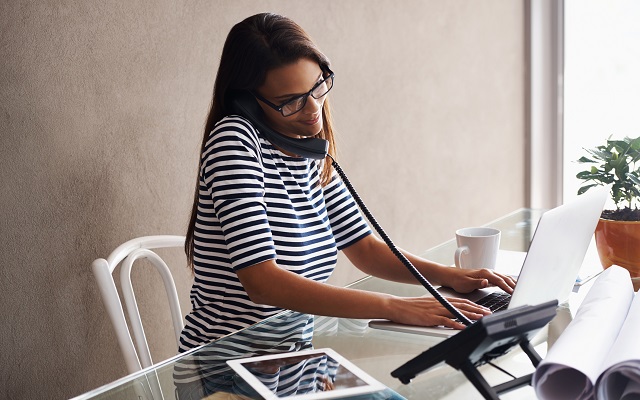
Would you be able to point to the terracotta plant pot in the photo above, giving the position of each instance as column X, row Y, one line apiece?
column 618, row 243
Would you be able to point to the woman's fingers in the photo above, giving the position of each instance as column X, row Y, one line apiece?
column 427, row 311
column 504, row 282
column 468, row 306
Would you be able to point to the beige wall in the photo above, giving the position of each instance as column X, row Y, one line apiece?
column 101, row 107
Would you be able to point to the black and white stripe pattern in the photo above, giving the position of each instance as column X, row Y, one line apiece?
column 285, row 332
column 257, row 204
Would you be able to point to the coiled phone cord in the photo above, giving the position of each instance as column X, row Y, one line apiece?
column 414, row 271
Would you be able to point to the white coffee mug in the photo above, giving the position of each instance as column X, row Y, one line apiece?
column 477, row 248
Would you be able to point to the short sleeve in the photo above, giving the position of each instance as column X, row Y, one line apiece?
column 347, row 223
column 233, row 174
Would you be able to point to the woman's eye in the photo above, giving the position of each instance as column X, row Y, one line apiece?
column 295, row 100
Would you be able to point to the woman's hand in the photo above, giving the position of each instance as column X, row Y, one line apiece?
column 468, row 280
column 427, row 311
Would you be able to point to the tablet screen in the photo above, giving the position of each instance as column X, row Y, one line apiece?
column 308, row 374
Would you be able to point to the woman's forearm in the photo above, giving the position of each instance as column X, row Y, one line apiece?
column 372, row 256
column 266, row 283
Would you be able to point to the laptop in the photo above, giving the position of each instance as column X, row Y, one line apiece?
column 550, row 267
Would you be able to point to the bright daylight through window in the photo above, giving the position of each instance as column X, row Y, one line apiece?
column 601, row 79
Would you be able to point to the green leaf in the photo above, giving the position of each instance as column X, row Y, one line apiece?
column 585, row 188
column 621, row 146
column 635, row 143
column 600, row 154
column 583, row 160
column 607, row 179
column 622, row 170
column 586, row 175
column 633, row 178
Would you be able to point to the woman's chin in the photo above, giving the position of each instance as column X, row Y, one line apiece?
column 301, row 130
column 311, row 130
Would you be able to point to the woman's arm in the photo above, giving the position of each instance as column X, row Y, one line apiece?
column 267, row 283
column 372, row 256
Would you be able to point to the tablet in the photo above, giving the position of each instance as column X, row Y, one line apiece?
column 302, row 375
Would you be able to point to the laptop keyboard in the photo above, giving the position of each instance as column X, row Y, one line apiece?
column 495, row 301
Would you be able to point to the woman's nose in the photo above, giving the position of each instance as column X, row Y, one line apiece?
column 313, row 105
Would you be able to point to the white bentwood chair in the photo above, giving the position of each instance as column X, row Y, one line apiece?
column 128, row 253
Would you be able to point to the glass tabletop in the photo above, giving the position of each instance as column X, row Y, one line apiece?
column 204, row 371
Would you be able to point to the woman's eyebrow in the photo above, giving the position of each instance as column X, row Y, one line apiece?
column 290, row 95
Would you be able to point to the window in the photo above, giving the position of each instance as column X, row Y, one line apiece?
column 601, row 78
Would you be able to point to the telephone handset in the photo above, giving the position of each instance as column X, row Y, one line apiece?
column 244, row 104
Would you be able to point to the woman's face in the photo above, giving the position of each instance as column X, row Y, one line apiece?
column 283, row 84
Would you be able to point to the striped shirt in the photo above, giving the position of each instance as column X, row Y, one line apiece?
column 256, row 204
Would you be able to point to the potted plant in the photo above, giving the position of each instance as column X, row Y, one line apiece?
column 617, row 163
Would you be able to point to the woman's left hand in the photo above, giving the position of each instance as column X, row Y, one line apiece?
column 468, row 280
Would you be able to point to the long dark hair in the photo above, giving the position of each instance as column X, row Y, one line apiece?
column 253, row 47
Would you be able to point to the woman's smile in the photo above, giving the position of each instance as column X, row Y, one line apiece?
column 312, row 121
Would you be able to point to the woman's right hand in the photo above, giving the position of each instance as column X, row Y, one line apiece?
column 427, row 311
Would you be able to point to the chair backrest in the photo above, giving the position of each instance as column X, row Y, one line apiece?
column 127, row 253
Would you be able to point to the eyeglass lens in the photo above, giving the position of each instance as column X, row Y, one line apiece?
column 298, row 103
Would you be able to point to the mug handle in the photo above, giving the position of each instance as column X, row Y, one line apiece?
column 458, row 256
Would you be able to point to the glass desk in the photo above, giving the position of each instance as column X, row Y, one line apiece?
column 375, row 351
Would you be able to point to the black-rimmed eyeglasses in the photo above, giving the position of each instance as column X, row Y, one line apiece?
column 297, row 103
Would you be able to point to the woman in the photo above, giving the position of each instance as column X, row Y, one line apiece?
column 266, row 225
